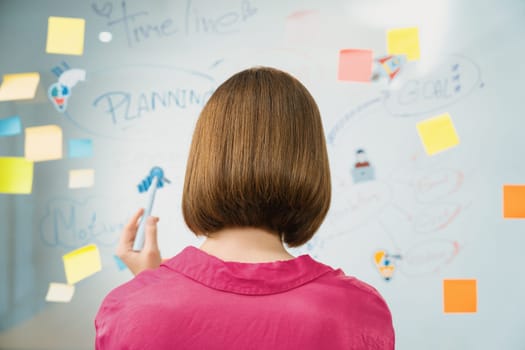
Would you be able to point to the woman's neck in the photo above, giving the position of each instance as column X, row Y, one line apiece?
column 245, row 244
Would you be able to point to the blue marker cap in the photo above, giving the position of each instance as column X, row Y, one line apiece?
column 154, row 172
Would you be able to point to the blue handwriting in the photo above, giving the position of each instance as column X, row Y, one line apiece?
column 122, row 106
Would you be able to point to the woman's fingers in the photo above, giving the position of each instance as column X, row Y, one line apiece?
column 130, row 231
column 149, row 256
column 150, row 239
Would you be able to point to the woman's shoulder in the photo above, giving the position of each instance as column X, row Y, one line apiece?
column 360, row 306
column 351, row 289
column 351, row 295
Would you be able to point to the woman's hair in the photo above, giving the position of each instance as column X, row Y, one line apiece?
column 258, row 159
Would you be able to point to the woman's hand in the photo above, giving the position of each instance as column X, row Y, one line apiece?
column 149, row 256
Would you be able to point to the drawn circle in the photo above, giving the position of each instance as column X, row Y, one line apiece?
column 105, row 37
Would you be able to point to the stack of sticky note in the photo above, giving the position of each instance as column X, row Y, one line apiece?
column 44, row 143
column 78, row 265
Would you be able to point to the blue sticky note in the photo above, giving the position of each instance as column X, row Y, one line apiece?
column 10, row 126
column 120, row 264
column 79, row 148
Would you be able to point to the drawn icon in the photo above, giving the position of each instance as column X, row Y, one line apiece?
column 385, row 263
column 388, row 67
column 60, row 92
column 456, row 77
column 362, row 170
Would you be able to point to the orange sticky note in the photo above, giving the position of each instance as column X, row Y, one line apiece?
column 355, row 65
column 514, row 201
column 65, row 35
column 43, row 143
column 16, row 175
column 437, row 134
column 460, row 295
column 403, row 41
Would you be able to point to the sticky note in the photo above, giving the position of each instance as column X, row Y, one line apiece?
column 81, row 263
column 16, row 175
column 65, row 35
column 79, row 148
column 514, row 201
column 60, row 292
column 437, row 134
column 20, row 86
column 403, row 41
column 120, row 264
column 460, row 295
column 43, row 143
column 81, row 178
column 355, row 65
column 10, row 126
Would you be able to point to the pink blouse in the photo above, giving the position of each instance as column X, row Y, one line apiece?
column 197, row 301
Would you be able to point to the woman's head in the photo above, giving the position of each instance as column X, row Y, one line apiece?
column 258, row 159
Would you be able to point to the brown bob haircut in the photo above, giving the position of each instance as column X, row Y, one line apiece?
column 258, row 159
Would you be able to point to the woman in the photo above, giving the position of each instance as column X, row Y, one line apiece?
column 257, row 178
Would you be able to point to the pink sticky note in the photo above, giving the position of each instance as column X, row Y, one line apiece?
column 355, row 65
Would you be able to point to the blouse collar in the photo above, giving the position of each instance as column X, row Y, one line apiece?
column 246, row 278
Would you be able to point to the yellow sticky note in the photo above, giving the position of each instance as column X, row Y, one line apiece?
column 460, row 296
column 81, row 178
column 437, row 134
column 16, row 175
column 20, row 86
column 60, row 292
column 403, row 41
column 82, row 263
column 65, row 35
column 43, row 143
